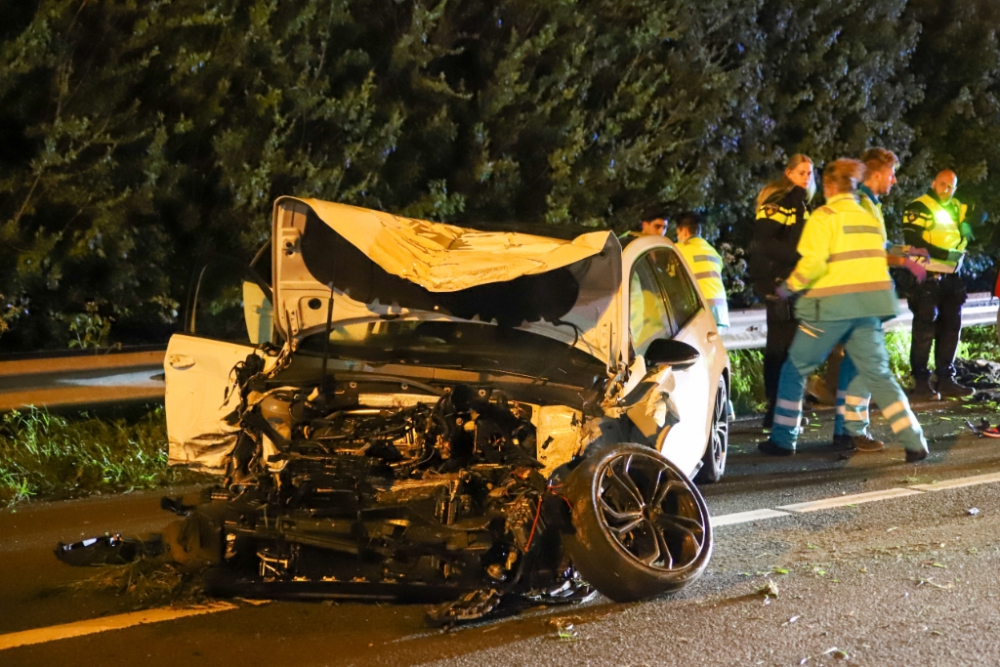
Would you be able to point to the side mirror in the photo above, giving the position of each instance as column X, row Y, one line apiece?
column 669, row 352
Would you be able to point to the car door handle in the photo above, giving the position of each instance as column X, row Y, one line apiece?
column 712, row 336
column 180, row 361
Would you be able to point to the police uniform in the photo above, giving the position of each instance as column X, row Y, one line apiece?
column 776, row 234
column 706, row 264
column 936, row 303
column 846, row 294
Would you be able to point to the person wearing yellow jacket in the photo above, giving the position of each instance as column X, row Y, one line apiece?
column 935, row 222
column 845, row 293
column 850, row 427
column 705, row 264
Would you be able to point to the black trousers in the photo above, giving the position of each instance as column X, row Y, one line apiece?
column 781, row 326
column 937, row 319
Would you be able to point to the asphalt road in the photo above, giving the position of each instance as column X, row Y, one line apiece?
column 911, row 580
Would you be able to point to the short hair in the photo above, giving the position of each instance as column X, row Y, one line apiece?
column 877, row 159
column 843, row 174
column 690, row 221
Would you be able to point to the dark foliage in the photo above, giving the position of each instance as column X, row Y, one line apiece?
column 137, row 136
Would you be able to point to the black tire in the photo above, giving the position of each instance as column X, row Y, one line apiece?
column 641, row 526
column 713, row 464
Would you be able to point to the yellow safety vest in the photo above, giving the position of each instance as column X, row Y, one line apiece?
column 842, row 252
column 706, row 264
column 940, row 229
column 875, row 209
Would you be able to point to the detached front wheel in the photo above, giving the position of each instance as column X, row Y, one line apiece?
column 642, row 527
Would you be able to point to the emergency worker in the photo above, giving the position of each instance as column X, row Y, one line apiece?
column 705, row 263
column 935, row 221
column 782, row 211
column 845, row 295
column 850, row 428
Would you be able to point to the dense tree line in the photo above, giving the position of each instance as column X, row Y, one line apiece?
column 135, row 136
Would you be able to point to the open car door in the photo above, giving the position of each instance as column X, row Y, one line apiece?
column 228, row 319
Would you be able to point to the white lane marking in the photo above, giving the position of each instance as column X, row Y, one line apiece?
column 857, row 498
column 958, row 483
column 95, row 625
column 743, row 517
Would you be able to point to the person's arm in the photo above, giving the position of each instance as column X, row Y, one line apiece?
column 814, row 247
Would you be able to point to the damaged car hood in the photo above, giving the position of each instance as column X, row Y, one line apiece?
column 363, row 263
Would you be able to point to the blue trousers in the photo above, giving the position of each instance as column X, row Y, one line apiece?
column 866, row 357
column 853, row 398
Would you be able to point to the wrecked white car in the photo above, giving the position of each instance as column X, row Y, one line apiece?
column 410, row 410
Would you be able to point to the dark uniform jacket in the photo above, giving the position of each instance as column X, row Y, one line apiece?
column 776, row 234
column 919, row 224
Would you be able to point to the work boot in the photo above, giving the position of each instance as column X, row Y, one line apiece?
column 860, row 443
column 916, row 457
column 948, row 388
column 922, row 392
column 773, row 449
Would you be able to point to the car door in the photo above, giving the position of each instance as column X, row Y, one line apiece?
column 695, row 386
column 228, row 319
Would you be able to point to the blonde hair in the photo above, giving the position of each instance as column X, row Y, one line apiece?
column 783, row 185
column 843, row 175
column 877, row 159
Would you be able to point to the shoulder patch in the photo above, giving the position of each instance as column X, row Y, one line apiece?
column 771, row 209
column 910, row 217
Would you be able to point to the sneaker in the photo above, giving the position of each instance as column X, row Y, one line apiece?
column 866, row 443
column 916, row 457
column 773, row 449
column 922, row 393
column 947, row 387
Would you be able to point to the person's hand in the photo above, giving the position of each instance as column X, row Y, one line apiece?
column 783, row 292
column 965, row 229
column 917, row 269
column 918, row 252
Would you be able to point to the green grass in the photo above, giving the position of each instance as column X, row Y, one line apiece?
column 52, row 457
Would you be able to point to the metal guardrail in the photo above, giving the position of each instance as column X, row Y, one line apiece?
column 748, row 328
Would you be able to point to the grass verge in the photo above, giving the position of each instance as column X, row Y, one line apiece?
column 53, row 457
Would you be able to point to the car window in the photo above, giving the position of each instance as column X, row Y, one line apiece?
column 677, row 285
column 227, row 303
column 648, row 317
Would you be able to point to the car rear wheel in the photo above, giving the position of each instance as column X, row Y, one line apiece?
column 713, row 464
column 642, row 527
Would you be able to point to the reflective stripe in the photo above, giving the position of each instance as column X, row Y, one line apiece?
column 787, row 421
column 856, row 400
column 841, row 393
column 899, row 424
column 855, row 417
column 708, row 274
column 841, row 410
column 717, row 302
column 708, row 258
column 893, row 409
column 861, row 229
column 788, row 405
column 855, row 254
column 850, row 289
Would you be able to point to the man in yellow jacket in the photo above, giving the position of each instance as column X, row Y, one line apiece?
column 705, row 263
column 935, row 221
column 845, row 293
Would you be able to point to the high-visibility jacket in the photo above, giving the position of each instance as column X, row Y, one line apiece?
column 927, row 223
column 706, row 265
column 776, row 233
column 843, row 273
